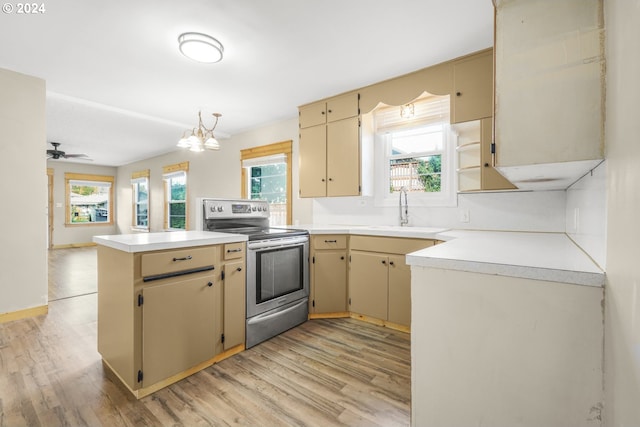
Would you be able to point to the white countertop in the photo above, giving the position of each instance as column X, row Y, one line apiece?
column 143, row 242
column 374, row 230
column 540, row 256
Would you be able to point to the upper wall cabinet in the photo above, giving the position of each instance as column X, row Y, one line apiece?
column 549, row 78
column 473, row 88
column 334, row 109
column 330, row 147
column 337, row 134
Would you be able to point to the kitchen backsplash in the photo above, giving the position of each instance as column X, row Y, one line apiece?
column 580, row 211
column 512, row 211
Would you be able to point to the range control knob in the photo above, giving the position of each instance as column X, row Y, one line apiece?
column 212, row 208
column 253, row 208
column 220, row 208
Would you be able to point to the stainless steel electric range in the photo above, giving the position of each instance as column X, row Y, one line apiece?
column 277, row 265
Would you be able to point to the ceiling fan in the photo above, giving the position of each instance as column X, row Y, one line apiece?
column 57, row 154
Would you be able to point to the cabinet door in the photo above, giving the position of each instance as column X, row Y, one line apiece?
column 234, row 304
column 343, row 158
column 368, row 284
column 399, row 290
column 313, row 161
column 473, row 88
column 330, row 282
column 179, row 327
column 342, row 107
column 312, row 115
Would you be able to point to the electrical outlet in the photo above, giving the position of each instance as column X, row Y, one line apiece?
column 464, row 215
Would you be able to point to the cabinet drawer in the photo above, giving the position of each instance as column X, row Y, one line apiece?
column 330, row 241
column 234, row 250
column 157, row 263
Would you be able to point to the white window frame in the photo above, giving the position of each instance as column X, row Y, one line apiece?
column 135, row 182
column 446, row 197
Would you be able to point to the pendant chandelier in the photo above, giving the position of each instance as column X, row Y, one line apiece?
column 201, row 138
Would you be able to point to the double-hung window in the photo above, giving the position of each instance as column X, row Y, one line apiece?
column 414, row 152
column 140, row 193
column 175, row 196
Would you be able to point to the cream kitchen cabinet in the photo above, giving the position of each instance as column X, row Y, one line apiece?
column 475, row 170
column 549, row 91
column 473, row 87
column 334, row 109
column 329, row 146
column 328, row 275
column 234, row 288
column 161, row 314
column 380, row 280
column 179, row 326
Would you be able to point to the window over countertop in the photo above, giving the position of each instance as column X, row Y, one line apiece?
column 414, row 150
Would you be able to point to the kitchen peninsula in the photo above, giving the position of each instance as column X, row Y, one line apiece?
column 169, row 304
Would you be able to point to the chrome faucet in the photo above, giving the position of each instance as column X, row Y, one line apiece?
column 404, row 210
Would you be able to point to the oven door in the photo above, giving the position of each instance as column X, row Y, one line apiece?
column 277, row 273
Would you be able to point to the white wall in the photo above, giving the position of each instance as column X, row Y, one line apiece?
column 502, row 351
column 586, row 213
column 211, row 174
column 64, row 235
column 622, row 308
column 23, row 253
column 521, row 211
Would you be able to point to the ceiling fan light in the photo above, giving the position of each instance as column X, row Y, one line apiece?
column 200, row 47
column 184, row 143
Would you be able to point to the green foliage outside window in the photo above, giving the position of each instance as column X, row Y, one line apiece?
column 177, row 203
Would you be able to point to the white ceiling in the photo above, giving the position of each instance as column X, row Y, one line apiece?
column 119, row 90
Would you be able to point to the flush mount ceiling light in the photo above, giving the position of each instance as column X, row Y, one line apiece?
column 200, row 47
column 201, row 138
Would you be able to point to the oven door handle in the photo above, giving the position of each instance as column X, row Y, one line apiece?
column 270, row 314
column 276, row 243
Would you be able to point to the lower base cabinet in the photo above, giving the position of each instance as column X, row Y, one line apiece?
column 179, row 326
column 380, row 279
column 163, row 315
column 328, row 274
column 369, row 284
column 235, row 300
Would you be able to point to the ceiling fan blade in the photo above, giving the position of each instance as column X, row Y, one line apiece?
column 75, row 155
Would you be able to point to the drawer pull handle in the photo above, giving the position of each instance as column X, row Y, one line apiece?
column 234, row 250
column 187, row 258
column 341, row 257
column 384, row 262
column 391, row 263
column 331, row 241
column 239, row 269
column 210, row 284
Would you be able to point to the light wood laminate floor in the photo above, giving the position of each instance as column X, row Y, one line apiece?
column 323, row 373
